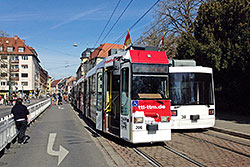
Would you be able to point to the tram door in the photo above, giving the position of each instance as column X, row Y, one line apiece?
column 99, row 99
column 85, row 98
column 125, row 103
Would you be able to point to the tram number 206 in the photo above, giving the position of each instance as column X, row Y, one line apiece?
column 138, row 127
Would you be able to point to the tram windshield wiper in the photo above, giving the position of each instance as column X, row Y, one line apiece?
column 160, row 102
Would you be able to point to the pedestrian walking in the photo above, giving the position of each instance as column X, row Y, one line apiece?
column 1, row 100
column 59, row 99
column 21, row 117
column 5, row 99
column 52, row 100
column 65, row 98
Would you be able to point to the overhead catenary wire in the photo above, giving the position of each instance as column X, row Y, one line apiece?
column 107, row 22
column 144, row 15
column 119, row 39
column 56, row 51
column 65, row 66
column 117, row 20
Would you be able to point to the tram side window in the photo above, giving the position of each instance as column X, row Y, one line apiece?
column 124, row 98
column 99, row 91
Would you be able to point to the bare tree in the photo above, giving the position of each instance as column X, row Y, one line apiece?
column 172, row 17
column 176, row 16
column 3, row 34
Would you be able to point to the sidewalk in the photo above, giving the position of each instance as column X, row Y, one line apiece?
column 237, row 125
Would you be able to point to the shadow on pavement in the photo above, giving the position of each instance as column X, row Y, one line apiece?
column 96, row 133
column 241, row 119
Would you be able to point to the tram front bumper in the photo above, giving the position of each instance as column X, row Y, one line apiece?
column 189, row 124
column 151, row 136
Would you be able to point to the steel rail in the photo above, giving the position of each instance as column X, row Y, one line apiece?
column 232, row 133
column 243, row 144
column 183, row 156
column 229, row 149
column 147, row 157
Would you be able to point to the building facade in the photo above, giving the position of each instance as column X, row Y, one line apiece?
column 49, row 85
column 43, row 80
column 83, row 67
column 104, row 50
column 20, row 69
column 92, row 56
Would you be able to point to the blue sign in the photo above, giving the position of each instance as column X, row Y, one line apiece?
column 135, row 103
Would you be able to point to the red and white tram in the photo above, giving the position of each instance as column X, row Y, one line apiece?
column 127, row 95
column 192, row 95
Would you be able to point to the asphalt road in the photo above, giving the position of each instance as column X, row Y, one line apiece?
column 56, row 129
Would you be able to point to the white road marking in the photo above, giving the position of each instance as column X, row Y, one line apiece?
column 62, row 153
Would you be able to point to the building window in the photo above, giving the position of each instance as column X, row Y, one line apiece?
column 25, row 66
column 1, row 48
column 25, row 75
column 4, row 57
column 15, row 67
column 25, row 57
column 3, row 83
column 14, row 58
column 21, row 49
column 4, row 65
column 15, row 75
column 3, row 74
column 10, row 49
column 24, row 83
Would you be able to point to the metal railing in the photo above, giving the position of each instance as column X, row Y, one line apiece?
column 8, row 131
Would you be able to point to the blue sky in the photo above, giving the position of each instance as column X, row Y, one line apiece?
column 53, row 26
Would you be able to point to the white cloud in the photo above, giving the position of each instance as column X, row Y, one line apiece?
column 18, row 17
column 75, row 17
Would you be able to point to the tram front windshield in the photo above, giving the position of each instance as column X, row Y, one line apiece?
column 191, row 88
column 149, row 87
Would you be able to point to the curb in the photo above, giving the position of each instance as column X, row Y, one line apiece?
column 231, row 132
column 113, row 159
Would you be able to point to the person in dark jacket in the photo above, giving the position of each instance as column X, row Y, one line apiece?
column 59, row 99
column 21, row 117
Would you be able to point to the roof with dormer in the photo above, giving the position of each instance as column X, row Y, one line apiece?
column 16, row 43
column 55, row 82
column 103, row 49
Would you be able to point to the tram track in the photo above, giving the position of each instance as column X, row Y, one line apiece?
column 148, row 158
column 229, row 140
column 230, row 132
column 183, row 156
column 152, row 159
column 217, row 145
column 182, row 150
column 208, row 154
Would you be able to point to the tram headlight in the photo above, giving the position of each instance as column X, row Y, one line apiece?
column 138, row 119
column 211, row 112
column 173, row 112
column 165, row 119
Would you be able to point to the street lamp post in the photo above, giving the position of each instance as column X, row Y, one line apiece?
column 16, row 90
column 10, row 85
column 22, row 90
